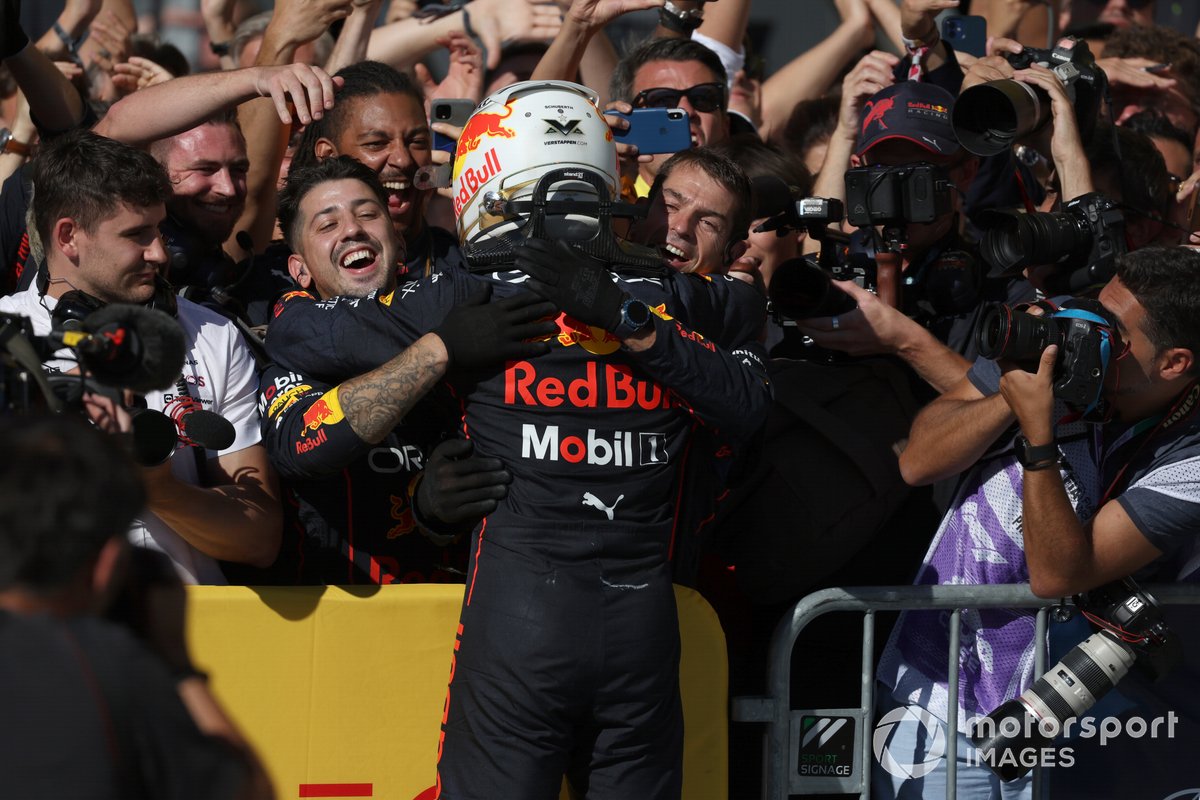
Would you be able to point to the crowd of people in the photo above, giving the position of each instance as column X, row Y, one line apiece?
column 551, row 357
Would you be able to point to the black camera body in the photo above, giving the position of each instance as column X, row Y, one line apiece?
column 896, row 196
column 802, row 288
column 1084, row 332
column 990, row 117
column 1083, row 240
column 1124, row 610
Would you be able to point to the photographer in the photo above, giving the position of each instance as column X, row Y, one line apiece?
column 93, row 707
column 1107, row 187
column 1066, row 506
column 944, row 280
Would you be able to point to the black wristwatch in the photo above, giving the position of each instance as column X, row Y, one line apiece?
column 635, row 317
column 1035, row 457
column 674, row 18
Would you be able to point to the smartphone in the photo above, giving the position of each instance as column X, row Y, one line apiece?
column 455, row 111
column 966, row 34
column 655, row 130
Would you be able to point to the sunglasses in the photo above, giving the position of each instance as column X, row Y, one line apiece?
column 704, row 97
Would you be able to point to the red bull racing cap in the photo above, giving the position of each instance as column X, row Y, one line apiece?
column 911, row 110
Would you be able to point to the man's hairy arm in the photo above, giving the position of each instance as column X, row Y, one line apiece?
column 1066, row 556
column 376, row 402
column 952, row 433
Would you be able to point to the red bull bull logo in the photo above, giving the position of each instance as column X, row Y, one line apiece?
column 326, row 411
column 403, row 516
column 594, row 340
column 477, row 127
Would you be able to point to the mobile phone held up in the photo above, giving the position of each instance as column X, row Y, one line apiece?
column 454, row 111
column 966, row 34
column 655, row 130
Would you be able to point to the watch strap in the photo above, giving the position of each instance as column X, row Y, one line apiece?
column 1035, row 457
column 11, row 144
column 674, row 18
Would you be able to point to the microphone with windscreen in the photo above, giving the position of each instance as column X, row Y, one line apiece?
column 205, row 429
column 156, row 435
column 128, row 346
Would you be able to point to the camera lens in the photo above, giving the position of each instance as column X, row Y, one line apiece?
column 1016, row 241
column 1014, row 335
column 988, row 118
column 442, row 112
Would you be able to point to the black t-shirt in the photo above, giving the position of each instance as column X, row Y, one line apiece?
column 88, row 713
column 14, row 237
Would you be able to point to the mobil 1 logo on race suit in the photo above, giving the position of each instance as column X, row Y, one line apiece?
column 597, row 386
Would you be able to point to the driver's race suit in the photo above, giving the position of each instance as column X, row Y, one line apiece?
column 567, row 654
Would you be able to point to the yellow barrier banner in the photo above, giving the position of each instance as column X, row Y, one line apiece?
column 341, row 689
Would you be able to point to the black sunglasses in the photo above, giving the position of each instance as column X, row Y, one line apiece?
column 704, row 97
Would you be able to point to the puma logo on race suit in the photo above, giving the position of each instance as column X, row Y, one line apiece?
column 592, row 501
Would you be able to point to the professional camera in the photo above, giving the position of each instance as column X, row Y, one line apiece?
column 1083, row 240
column 1131, row 631
column 1084, row 331
column 990, row 117
column 802, row 287
column 895, row 196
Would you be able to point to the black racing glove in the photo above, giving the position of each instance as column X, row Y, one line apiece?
column 457, row 487
column 480, row 333
column 12, row 36
column 575, row 282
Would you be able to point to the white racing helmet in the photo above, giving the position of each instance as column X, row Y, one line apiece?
column 515, row 137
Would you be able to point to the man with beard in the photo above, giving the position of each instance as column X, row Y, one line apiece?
column 379, row 120
column 376, row 498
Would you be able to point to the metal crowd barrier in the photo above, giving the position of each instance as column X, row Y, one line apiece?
column 781, row 773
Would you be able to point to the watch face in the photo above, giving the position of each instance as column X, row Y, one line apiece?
column 637, row 313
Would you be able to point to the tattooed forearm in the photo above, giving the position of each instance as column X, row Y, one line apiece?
column 375, row 403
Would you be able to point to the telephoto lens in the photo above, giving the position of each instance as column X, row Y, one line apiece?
column 801, row 290
column 1036, row 718
column 1015, row 240
column 989, row 118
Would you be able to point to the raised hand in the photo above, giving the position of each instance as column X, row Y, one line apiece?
column 464, row 78
column 309, row 89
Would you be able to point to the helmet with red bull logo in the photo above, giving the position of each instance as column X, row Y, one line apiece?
column 513, row 139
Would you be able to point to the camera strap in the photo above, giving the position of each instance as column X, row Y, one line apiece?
column 1181, row 410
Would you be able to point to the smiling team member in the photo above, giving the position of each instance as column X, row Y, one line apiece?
column 373, row 497
column 379, row 119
